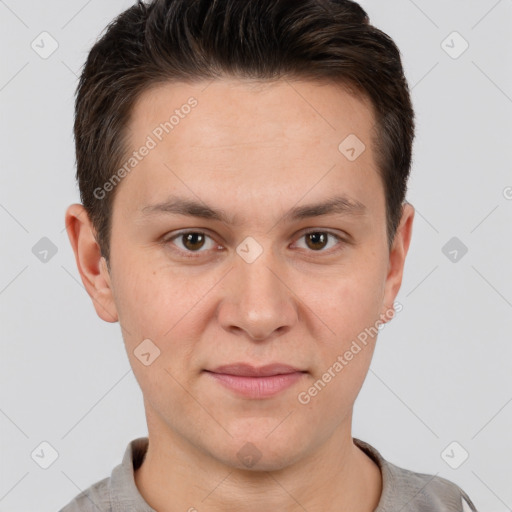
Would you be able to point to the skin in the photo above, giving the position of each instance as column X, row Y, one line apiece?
column 256, row 151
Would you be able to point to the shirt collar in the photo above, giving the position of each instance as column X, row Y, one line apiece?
column 124, row 494
column 389, row 473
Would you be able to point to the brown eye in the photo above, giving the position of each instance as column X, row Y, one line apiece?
column 190, row 243
column 316, row 240
column 322, row 242
column 193, row 241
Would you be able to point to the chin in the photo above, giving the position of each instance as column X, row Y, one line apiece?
column 258, row 451
column 251, row 458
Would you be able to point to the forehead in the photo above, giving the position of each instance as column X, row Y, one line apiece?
column 263, row 139
column 248, row 110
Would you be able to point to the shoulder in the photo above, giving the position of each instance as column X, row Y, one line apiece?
column 118, row 491
column 95, row 498
column 428, row 493
column 416, row 492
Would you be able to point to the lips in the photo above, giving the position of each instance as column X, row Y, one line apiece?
column 247, row 370
column 253, row 382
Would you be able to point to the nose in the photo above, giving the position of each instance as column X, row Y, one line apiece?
column 257, row 301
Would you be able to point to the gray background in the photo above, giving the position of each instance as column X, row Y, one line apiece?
column 441, row 371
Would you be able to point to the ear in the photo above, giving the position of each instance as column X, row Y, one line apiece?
column 90, row 263
column 397, row 255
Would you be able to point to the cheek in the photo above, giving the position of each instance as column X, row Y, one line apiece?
column 153, row 302
column 164, row 307
column 351, row 310
column 350, row 301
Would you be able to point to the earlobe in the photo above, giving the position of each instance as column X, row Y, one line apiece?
column 397, row 256
column 90, row 263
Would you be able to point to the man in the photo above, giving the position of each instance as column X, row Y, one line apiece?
column 243, row 167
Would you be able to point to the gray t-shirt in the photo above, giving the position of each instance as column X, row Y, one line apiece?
column 402, row 490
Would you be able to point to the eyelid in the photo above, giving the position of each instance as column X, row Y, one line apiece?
column 190, row 254
column 166, row 239
column 341, row 240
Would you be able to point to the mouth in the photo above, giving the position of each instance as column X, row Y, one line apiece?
column 256, row 382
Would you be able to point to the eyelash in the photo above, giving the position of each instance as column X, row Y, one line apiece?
column 197, row 254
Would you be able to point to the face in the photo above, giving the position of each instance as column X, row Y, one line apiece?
column 246, row 235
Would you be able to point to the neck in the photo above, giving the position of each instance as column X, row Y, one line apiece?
column 176, row 476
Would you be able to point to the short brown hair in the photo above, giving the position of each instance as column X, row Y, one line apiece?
column 184, row 40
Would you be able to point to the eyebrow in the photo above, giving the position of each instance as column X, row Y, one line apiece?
column 341, row 205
